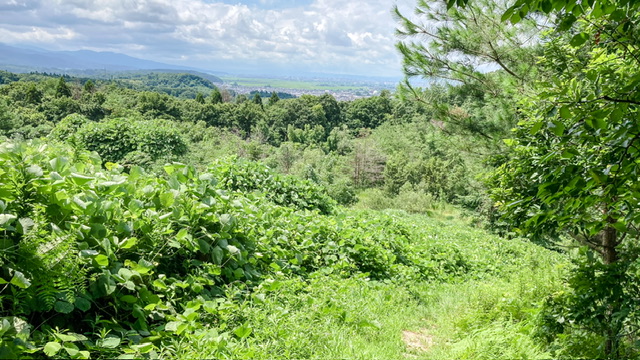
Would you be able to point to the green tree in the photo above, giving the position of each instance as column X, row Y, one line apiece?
column 240, row 98
column 478, row 63
column 62, row 89
column 216, row 96
column 7, row 119
column 199, row 98
column 55, row 109
column 89, row 87
column 92, row 105
column 155, row 105
column 368, row 112
column 295, row 112
column 273, row 98
column 67, row 127
column 326, row 109
column 125, row 141
column 246, row 115
column 33, row 95
column 572, row 167
column 575, row 159
column 257, row 99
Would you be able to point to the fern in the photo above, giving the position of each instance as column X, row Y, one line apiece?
column 48, row 256
column 45, row 296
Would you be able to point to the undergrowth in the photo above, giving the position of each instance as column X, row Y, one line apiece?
column 238, row 262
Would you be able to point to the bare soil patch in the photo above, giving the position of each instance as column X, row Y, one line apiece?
column 417, row 341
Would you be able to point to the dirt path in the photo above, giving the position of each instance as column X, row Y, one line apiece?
column 420, row 341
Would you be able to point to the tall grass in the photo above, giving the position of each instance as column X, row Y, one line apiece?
column 488, row 313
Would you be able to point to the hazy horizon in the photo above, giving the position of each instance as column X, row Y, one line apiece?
column 274, row 37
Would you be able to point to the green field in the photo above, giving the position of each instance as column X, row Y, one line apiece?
column 292, row 84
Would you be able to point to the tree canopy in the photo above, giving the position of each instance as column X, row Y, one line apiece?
column 571, row 167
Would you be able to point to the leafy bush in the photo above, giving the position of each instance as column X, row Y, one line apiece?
column 116, row 139
column 56, row 109
column 137, row 247
column 68, row 126
column 600, row 299
column 148, row 254
column 161, row 266
column 246, row 176
column 409, row 200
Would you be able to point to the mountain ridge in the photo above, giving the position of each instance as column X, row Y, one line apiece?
column 21, row 59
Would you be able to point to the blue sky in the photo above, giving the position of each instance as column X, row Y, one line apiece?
column 259, row 36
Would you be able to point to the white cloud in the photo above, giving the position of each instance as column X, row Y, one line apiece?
column 39, row 35
column 325, row 36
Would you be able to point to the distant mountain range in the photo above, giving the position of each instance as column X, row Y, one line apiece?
column 18, row 59
column 21, row 59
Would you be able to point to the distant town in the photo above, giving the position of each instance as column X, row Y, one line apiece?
column 341, row 89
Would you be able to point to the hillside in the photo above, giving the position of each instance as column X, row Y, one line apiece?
column 183, row 84
column 187, row 266
column 232, row 227
column 312, row 204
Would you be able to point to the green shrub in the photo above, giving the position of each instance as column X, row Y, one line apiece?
column 408, row 199
column 247, row 176
column 116, row 139
column 100, row 263
column 68, row 126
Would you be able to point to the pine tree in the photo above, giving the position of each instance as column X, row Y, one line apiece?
column 216, row 96
column 274, row 98
column 62, row 89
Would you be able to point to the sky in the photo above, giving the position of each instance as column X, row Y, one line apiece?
column 254, row 36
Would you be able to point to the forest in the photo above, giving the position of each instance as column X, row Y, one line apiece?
column 489, row 215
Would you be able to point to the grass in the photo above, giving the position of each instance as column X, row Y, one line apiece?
column 487, row 313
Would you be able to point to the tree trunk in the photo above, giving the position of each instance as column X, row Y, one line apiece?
column 610, row 256
column 609, row 243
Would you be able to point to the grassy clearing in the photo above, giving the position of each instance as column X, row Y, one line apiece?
column 486, row 313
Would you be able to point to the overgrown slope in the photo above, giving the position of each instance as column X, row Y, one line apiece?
column 101, row 263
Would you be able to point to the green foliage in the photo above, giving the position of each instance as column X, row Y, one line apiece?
column 428, row 163
column 570, row 11
column 247, row 176
column 154, row 105
column 168, row 266
column 296, row 126
column 62, row 89
column 216, row 96
column 67, row 127
column 573, row 165
column 599, row 304
column 257, row 99
column 200, row 98
column 452, row 48
column 407, row 199
column 117, row 140
column 7, row 77
column 584, row 141
column 57, row 108
column 6, row 117
column 89, row 87
column 33, row 95
column 368, row 112
column 274, row 98
column 113, row 140
column 238, row 261
column 182, row 84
